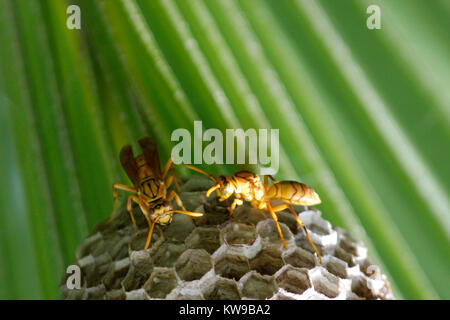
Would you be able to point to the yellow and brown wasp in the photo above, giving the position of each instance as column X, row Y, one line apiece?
column 145, row 173
column 245, row 185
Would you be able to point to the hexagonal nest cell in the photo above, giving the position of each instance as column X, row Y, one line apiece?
column 217, row 257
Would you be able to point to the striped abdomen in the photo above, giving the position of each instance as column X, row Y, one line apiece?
column 294, row 193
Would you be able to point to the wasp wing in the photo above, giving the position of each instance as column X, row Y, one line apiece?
column 150, row 152
column 129, row 164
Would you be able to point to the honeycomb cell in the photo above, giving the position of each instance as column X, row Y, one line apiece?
column 314, row 222
column 141, row 267
column 267, row 230
column 117, row 271
column 119, row 249
column 340, row 268
column 87, row 267
column 89, row 245
column 353, row 248
column 75, row 294
column 117, row 294
column 102, row 263
column 138, row 294
column 138, row 240
column 179, row 229
column 207, row 238
column 167, row 254
column 222, row 289
column 288, row 219
column 302, row 242
column 94, row 268
column 215, row 213
column 193, row 264
column 193, row 200
column 347, row 242
column 300, row 258
column 95, row 293
column 248, row 251
column 161, row 282
column 186, row 291
column 231, row 266
column 293, row 279
column 239, row 234
column 256, row 286
column 345, row 256
column 267, row 261
column 363, row 288
column 324, row 282
column 320, row 231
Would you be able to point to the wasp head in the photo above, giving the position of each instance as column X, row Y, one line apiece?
column 225, row 188
column 163, row 212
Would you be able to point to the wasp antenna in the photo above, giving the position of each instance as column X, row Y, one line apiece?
column 201, row 171
column 188, row 213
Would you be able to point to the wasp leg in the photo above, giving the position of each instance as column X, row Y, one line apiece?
column 143, row 207
column 266, row 181
column 261, row 205
column 274, row 217
column 118, row 186
column 236, row 202
column 151, row 224
column 144, row 210
column 300, row 222
column 173, row 177
column 130, row 208
column 172, row 195
column 167, row 167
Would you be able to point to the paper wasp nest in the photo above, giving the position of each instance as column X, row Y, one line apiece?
column 212, row 257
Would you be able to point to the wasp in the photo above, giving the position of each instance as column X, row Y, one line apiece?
column 245, row 185
column 150, row 186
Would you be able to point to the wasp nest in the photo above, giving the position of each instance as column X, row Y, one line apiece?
column 213, row 257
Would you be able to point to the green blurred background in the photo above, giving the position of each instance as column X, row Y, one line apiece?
column 363, row 116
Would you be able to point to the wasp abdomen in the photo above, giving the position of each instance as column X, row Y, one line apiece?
column 294, row 193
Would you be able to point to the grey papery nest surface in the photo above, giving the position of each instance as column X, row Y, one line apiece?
column 214, row 257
